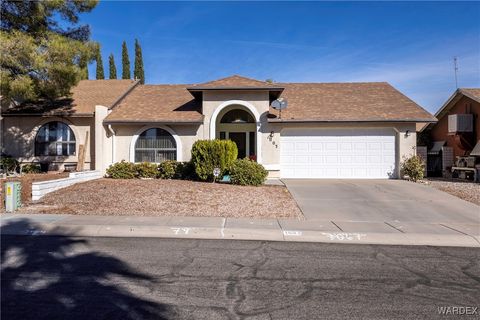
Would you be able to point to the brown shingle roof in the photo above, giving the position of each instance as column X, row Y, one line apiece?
column 373, row 101
column 85, row 96
column 473, row 93
column 234, row 81
column 157, row 103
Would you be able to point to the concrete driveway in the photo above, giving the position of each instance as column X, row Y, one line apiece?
column 379, row 201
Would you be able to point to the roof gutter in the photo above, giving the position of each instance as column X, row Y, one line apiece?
column 349, row 121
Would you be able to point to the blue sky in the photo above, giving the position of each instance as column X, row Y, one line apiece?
column 409, row 44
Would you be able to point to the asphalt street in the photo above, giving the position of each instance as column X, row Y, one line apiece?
column 144, row 278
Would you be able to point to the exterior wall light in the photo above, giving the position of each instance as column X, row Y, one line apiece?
column 407, row 133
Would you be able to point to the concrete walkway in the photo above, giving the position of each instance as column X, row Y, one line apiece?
column 333, row 231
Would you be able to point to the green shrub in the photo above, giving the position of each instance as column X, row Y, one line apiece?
column 413, row 168
column 122, row 170
column 210, row 154
column 185, row 171
column 167, row 169
column 146, row 170
column 9, row 164
column 246, row 172
column 31, row 168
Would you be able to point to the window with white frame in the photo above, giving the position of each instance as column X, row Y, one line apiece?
column 155, row 145
column 55, row 139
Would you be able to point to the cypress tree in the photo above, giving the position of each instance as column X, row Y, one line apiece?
column 125, row 62
column 85, row 73
column 100, row 74
column 138, row 71
column 112, row 67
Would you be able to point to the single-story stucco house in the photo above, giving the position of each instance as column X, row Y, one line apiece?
column 328, row 130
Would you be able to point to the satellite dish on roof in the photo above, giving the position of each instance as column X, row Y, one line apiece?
column 279, row 104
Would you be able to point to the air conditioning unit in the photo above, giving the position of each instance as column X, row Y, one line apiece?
column 460, row 123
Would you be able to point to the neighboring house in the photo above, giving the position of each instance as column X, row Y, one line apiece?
column 457, row 130
column 328, row 130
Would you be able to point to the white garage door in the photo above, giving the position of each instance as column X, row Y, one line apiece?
column 337, row 153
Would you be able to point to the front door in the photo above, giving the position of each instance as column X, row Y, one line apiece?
column 240, row 139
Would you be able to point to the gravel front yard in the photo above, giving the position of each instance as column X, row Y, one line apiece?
column 169, row 198
column 465, row 190
column 26, row 180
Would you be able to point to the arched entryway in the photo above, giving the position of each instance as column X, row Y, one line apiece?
column 241, row 126
column 238, row 124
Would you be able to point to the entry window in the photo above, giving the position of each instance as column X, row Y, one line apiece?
column 237, row 116
column 155, row 145
column 55, row 139
column 222, row 135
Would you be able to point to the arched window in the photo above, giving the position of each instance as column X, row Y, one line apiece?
column 155, row 145
column 237, row 116
column 55, row 139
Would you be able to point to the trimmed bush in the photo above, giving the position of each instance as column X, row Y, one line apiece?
column 167, row 169
column 31, row 168
column 185, row 171
column 122, row 170
column 9, row 164
column 146, row 170
column 413, row 168
column 246, row 172
column 210, row 154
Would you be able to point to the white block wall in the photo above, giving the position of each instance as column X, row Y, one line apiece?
column 39, row 189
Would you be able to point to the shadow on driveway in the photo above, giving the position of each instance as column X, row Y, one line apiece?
column 59, row 278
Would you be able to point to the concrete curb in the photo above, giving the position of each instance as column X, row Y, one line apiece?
column 214, row 228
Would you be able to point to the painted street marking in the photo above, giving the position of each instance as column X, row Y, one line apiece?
column 35, row 232
column 181, row 230
column 222, row 231
column 292, row 233
column 343, row 236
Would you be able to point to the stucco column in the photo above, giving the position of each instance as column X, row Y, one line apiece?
column 103, row 141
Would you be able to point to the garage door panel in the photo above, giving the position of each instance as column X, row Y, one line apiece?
column 335, row 153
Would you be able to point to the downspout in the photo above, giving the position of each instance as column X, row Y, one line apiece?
column 113, row 142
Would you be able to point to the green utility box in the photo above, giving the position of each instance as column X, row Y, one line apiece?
column 13, row 193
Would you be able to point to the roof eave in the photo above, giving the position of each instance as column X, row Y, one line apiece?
column 73, row 115
column 145, row 121
column 350, row 121
column 193, row 89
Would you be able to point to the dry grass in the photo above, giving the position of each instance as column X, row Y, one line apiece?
column 170, row 198
column 465, row 190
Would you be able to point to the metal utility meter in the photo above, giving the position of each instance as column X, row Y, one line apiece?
column 13, row 191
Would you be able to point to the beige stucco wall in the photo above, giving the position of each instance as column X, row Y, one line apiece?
column 125, row 137
column 18, row 138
